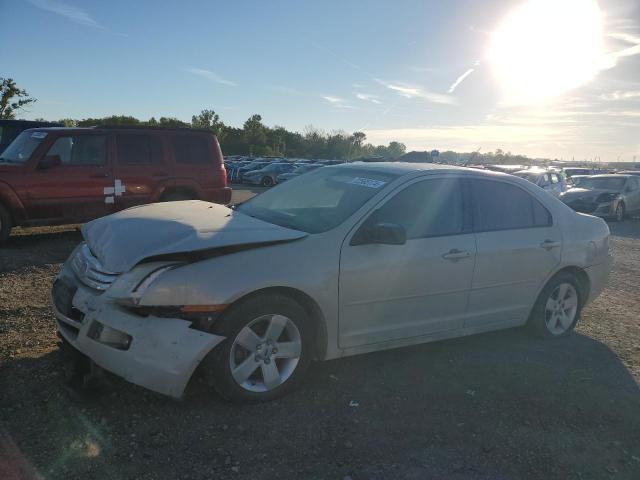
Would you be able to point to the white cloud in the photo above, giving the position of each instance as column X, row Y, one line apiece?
column 337, row 102
column 368, row 98
column 621, row 95
column 415, row 92
column 73, row 13
column 460, row 79
column 212, row 76
column 333, row 100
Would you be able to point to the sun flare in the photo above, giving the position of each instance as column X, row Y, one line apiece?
column 544, row 48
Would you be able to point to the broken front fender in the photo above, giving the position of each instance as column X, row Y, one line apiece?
column 160, row 354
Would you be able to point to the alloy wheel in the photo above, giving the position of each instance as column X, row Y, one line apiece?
column 265, row 353
column 561, row 308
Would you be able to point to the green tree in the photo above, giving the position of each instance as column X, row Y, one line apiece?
column 395, row 150
column 210, row 120
column 12, row 99
column 254, row 134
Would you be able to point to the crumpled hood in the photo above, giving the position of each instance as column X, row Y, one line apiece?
column 124, row 239
column 584, row 194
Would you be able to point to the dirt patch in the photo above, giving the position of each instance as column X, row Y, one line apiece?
column 499, row 405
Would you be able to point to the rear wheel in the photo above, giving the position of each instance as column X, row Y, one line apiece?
column 5, row 223
column 267, row 349
column 558, row 307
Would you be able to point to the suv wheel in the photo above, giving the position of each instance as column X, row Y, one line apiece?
column 267, row 182
column 267, row 349
column 557, row 309
column 5, row 223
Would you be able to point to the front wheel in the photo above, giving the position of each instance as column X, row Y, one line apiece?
column 267, row 349
column 620, row 212
column 267, row 182
column 557, row 309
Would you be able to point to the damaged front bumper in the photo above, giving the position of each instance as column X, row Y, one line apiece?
column 157, row 353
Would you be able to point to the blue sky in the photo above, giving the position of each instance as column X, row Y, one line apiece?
column 421, row 72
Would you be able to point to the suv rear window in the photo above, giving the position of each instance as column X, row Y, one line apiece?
column 138, row 149
column 191, row 149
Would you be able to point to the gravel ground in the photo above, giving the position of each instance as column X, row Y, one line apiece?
column 495, row 406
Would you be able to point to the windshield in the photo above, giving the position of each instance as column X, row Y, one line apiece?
column 319, row 201
column 603, row 183
column 21, row 149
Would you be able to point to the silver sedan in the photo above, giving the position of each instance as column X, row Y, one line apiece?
column 343, row 260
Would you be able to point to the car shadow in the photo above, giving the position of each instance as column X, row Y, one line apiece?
column 629, row 228
column 497, row 405
column 36, row 247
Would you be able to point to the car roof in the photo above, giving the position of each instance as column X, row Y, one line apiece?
column 112, row 128
column 405, row 168
column 611, row 175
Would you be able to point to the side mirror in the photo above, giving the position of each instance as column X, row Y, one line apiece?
column 380, row 234
column 50, row 161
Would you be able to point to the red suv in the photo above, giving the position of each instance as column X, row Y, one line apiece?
column 69, row 175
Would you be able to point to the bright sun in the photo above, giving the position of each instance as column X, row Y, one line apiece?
column 544, row 48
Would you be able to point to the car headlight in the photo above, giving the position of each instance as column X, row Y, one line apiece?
column 606, row 197
column 138, row 291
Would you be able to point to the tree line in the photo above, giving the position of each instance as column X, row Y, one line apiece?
column 256, row 138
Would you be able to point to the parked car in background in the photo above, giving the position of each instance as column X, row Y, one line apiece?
column 54, row 176
column 570, row 172
column 610, row 196
column 393, row 255
column 552, row 182
column 267, row 176
column 576, row 180
column 299, row 170
column 630, row 172
column 505, row 168
column 10, row 129
column 248, row 167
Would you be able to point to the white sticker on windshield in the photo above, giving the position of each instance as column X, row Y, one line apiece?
column 38, row 134
column 367, row 182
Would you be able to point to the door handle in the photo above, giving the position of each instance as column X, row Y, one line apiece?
column 454, row 255
column 549, row 244
column 99, row 175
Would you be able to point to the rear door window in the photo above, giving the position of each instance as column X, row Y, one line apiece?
column 191, row 149
column 502, row 206
column 138, row 149
column 80, row 150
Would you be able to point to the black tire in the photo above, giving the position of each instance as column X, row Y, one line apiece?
column 216, row 367
column 538, row 319
column 177, row 196
column 620, row 212
column 5, row 223
column 267, row 182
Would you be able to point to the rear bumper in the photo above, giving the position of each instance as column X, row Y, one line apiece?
column 160, row 354
column 218, row 195
column 598, row 277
